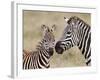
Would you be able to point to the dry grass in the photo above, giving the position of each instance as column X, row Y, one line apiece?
column 33, row 34
column 70, row 58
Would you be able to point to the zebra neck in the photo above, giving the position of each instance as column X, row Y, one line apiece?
column 84, row 39
column 44, row 57
column 41, row 48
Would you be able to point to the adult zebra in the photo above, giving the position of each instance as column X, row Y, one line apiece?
column 77, row 32
column 40, row 58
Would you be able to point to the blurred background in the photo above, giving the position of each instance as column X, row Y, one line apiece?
column 32, row 34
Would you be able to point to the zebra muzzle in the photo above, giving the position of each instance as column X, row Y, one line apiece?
column 58, row 48
column 51, row 51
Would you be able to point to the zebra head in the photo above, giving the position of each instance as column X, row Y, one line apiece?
column 69, row 37
column 48, row 38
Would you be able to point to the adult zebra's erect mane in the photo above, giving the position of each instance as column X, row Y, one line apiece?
column 76, row 19
column 76, row 33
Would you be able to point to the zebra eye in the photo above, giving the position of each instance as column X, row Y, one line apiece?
column 46, row 44
column 68, row 32
column 53, row 43
column 45, row 41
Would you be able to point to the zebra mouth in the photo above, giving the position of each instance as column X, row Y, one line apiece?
column 59, row 51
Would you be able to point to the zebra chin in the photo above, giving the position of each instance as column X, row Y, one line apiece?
column 58, row 48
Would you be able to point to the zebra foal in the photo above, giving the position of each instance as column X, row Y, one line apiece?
column 76, row 33
column 40, row 58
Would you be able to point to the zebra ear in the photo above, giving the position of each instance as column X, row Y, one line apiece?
column 43, row 27
column 66, row 19
column 54, row 27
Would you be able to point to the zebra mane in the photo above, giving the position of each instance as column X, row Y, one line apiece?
column 75, row 18
column 39, row 45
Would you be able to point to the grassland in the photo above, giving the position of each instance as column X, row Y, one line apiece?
column 32, row 21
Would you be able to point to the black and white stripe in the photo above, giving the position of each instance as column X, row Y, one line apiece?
column 40, row 58
column 77, row 32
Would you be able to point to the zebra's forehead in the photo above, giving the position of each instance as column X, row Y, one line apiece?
column 49, row 32
column 48, row 29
